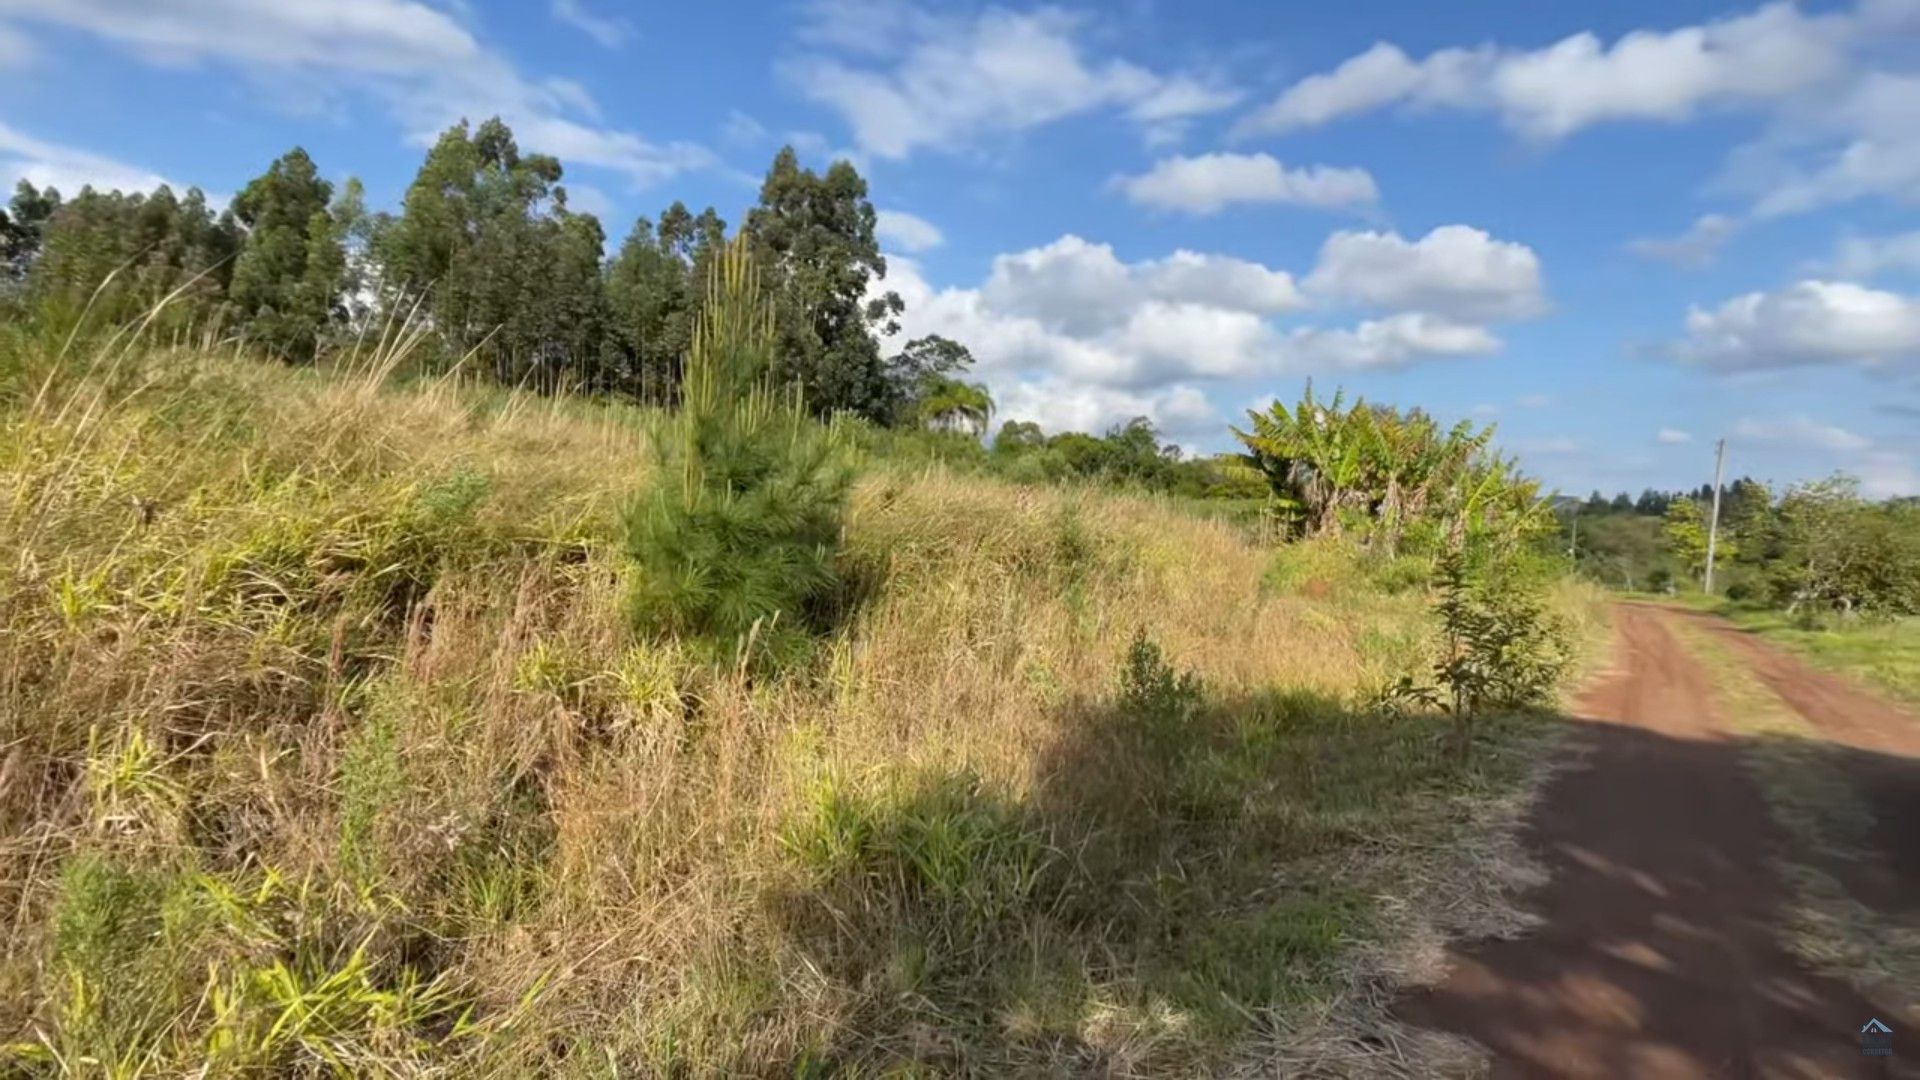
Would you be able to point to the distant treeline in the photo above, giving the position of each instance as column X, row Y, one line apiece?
column 488, row 257
column 1818, row 546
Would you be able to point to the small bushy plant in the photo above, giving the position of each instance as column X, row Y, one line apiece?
column 1152, row 687
column 735, row 542
column 1500, row 646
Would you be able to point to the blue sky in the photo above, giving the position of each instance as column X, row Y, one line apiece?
column 1621, row 231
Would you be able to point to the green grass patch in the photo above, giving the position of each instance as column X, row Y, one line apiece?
column 1882, row 652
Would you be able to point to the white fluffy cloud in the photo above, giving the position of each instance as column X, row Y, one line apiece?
column 45, row 164
column 1809, row 323
column 1395, row 341
column 1059, row 405
column 1844, row 118
column 906, row 232
column 1553, row 91
column 1073, row 308
column 1693, row 249
column 1455, row 271
column 1071, row 330
column 906, row 79
column 610, row 31
column 419, row 60
column 1211, row 182
column 1077, row 287
column 1667, row 436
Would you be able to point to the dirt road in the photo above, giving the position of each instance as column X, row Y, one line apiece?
column 1660, row 953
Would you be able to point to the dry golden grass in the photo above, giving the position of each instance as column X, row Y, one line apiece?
column 324, row 749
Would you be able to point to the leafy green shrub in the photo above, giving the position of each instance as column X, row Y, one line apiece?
column 1152, row 687
column 735, row 542
column 1501, row 648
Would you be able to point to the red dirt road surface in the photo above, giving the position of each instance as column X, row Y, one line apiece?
column 1661, row 951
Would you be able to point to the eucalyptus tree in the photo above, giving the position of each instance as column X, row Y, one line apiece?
column 486, row 243
column 22, row 224
column 653, row 298
column 813, row 235
column 117, row 255
column 289, row 275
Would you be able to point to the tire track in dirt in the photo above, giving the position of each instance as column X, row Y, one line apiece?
column 1659, row 952
column 1885, row 771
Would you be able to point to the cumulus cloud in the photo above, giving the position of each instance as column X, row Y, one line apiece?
column 1843, row 120
column 911, row 233
column 1810, row 323
column 1381, row 76
column 1211, row 182
column 420, row 61
column 609, row 31
column 46, row 164
column 1080, row 331
column 1395, row 341
column 1079, row 287
column 1667, row 436
column 907, row 79
column 1060, row 405
column 1693, row 249
column 1554, row 91
column 1799, row 433
column 1455, row 271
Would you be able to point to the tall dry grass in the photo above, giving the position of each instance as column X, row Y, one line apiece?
column 324, row 747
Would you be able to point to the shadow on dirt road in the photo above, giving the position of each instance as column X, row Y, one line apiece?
column 1661, row 951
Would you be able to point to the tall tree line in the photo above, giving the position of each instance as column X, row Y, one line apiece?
column 486, row 253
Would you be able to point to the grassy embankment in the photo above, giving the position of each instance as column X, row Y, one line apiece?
column 323, row 746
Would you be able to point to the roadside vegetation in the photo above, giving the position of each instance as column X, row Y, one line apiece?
column 1818, row 568
column 398, row 682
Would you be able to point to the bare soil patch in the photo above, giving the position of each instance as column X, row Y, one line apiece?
column 1660, row 952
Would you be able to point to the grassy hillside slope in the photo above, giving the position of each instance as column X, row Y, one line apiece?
column 324, row 747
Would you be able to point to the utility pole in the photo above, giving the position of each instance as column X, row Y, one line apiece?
column 1713, row 523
